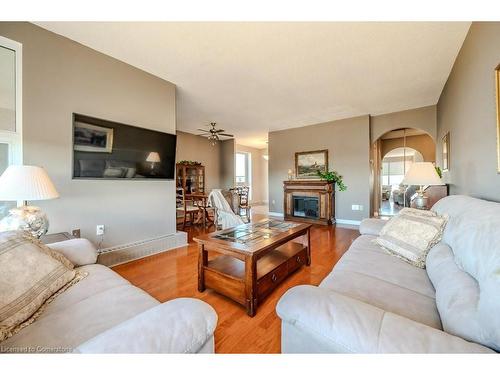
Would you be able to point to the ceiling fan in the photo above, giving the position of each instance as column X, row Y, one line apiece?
column 214, row 134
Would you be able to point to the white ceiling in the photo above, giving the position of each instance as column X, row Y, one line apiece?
column 252, row 78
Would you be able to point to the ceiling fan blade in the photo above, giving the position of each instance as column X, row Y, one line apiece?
column 203, row 130
column 220, row 131
column 226, row 135
column 202, row 135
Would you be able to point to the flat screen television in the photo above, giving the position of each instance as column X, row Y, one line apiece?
column 109, row 150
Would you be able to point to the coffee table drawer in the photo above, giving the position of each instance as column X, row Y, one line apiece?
column 267, row 283
column 297, row 261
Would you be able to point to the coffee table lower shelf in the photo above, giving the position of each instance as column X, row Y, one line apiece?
column 228, row 275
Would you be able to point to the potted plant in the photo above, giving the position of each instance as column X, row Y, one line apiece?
column 439, row 172
column 333, row 176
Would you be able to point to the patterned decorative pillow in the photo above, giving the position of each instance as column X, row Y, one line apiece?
column 411, row 234
column 31, row 274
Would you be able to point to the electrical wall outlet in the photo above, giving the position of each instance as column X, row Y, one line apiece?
column 76, row 233
column 357, row 207
column 99, row 231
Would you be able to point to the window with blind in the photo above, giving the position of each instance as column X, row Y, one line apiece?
column 10, row 109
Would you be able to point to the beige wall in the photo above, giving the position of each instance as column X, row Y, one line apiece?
column 422, row 143
column 196, row 148
column 418, row 118
column 259, row 173
column 466, row 109
column 61, row 77
column 348, row 145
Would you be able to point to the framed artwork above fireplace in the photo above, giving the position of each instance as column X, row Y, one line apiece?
column 308, row 163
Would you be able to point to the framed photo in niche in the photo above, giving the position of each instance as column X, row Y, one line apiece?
column 92, row 138
column 497, row 89
column 446, row 151
column 308, row 163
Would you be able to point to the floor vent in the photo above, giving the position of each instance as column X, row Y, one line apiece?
column 115, row 255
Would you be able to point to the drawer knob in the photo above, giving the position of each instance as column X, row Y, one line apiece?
column 299, row 259
column 274, row 278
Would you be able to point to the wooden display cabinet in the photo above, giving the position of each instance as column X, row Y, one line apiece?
column 191, row 178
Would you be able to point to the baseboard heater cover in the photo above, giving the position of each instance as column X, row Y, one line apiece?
column 112, row 256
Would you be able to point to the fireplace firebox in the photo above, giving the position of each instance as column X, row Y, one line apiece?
column 306, row 207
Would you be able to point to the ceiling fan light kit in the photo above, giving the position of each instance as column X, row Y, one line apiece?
column 214, row 134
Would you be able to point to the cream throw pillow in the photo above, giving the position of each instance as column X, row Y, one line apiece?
column 30, row 274
column 411, row 234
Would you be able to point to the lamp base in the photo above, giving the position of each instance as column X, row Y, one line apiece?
column 421, row 201
column 28, row 218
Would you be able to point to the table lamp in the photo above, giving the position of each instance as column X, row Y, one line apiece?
column 422, row 173
column 26, row 183
column 153, row 158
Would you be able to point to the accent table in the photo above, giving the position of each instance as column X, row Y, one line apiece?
column 56, row 237
column 253, row 259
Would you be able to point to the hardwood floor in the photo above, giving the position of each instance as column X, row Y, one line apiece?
column 174, row 274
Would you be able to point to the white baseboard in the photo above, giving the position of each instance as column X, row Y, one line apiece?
column 348, row 222
column 338, row 221
column 115, row 255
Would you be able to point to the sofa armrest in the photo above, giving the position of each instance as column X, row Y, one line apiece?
column 79, row 251
column 351, row 326
column 371, row 226
column 182, row 325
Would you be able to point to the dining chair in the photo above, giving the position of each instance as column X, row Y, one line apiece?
column 244, row 207
column 185, row 207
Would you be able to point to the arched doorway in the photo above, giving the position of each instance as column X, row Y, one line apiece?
column 392, row 154
column 395, row 164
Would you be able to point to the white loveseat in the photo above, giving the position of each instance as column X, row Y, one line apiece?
column 104, row 313
column 373, row 302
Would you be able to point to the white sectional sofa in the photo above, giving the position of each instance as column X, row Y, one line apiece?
column 373, row 302
column 104, row 313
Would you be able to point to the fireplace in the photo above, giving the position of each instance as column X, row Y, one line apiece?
column 311, row 201
column 306, row 207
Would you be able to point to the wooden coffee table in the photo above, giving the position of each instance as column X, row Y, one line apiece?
column 252, row 259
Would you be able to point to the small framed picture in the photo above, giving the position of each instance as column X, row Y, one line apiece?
column 92, row 138
column 446, row 151
column 308, row 163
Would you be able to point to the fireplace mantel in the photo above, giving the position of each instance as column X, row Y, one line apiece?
column 323, row 191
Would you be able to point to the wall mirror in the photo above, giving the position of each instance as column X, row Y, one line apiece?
column 10, row 109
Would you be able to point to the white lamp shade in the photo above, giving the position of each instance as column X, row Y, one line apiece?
column 26, row 183
column 153, row 157
column 422, row 173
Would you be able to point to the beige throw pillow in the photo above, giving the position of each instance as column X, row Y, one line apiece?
column 30, row 274
column 411, row 234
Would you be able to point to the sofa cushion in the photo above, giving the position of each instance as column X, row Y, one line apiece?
column 457, row 293
column 473, row 235
column 30, row 273
column 369, row 274
column 100, row 301
column 79, row 251
column 411, row 234
column 372, row 226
